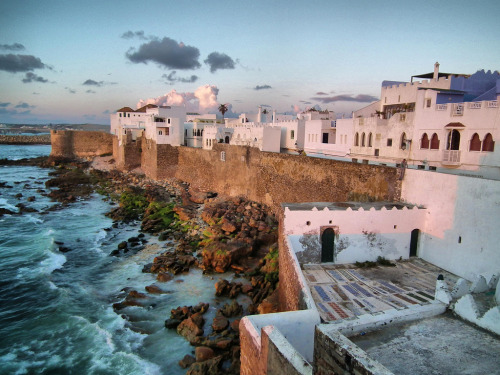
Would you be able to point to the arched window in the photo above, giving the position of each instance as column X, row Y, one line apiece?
column 453, row 140
column 402, row 144
column 475, row 143
column 488, row 143
column 363, row 139
column 370, row 140
column 356, row 139
column 424, row 141
column 434, row 142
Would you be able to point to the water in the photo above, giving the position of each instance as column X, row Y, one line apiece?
column 56, row 314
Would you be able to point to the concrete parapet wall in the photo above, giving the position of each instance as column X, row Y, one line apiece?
column 336, row 354
column 70, row 143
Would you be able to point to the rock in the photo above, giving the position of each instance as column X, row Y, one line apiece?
column 122, row 245
column 232, row 309
column 220, row 323
column 136, row 294
column 154, row 289
column 203, row 353
column 224, row 344
column 187, row 361
column 18, row 195
column 269, row 304
column 63, row 249
column 208, row 367
column 201, row 308
column 31, row 199
column 221, row 286
column 5, row 211
column 172, row 323
column 246, row 288
column 198, row 319
column 164, row 277
column 189, row 329
column 228, row 226
column 235, row 325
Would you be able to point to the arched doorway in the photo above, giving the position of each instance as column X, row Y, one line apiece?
column 227, row 139
column 327, row 245
column 414, row 242
column 453, row 141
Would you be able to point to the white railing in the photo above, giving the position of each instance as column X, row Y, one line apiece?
column 441, row 107
column 475, row 105
column 492, row 104
column 458, row 109
column 451, row 156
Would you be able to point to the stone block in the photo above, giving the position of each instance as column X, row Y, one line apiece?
column 479, row 285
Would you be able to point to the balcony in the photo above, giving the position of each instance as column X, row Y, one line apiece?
column 451, row 157
column 457, row 109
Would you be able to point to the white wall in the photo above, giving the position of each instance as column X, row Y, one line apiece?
column 459, row 208
column 361, row 234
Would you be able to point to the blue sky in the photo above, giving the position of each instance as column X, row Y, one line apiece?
column 75, row 62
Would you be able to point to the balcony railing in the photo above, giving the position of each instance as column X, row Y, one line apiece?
column 451, row 157
column 492, row 104
column 441, row 107
column 475, row 105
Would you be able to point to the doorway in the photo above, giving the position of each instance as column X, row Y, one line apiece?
column 327, row 245
column 325, row 137
column 414, row 242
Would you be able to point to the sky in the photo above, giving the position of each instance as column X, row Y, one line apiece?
column 78, row 61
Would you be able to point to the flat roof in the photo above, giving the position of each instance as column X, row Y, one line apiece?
column 442, row 344
column 342, row 206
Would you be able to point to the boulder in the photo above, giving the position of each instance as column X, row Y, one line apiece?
column 172, row 323
column 220, row 323
column 203, row 353
column 164, row 277
column 187, row 361
column 189, row 329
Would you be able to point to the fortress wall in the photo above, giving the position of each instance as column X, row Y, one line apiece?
column 273, row 178
column 70, row 143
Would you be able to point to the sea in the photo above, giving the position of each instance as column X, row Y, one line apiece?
column 56, row 313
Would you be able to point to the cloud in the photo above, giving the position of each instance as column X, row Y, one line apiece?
column 203, row 99
column 90, row 92
column 91, row 82
column 346, row 98
column 71, row 91
column 134, row 34
column 4, row 104
column 12, row 47
column 167, row 53
column 172, row 78
column 106, row 112
column 218, row 61
column 262, row 87
column 305, row 102
column 32, row 77
column 24, row 105
column 321, row 93
column 20, row 63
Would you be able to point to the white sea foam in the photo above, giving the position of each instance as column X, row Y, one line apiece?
column 52, row 262
column 33, row 219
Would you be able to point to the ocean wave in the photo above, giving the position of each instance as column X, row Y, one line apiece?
column 52, row 263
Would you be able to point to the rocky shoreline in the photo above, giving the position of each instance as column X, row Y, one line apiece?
column 216, row 234
column 42, row 139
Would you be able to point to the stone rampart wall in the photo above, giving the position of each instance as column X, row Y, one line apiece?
column 43, row 139
column 127, row 155
column 69, row 143
column 272, row 178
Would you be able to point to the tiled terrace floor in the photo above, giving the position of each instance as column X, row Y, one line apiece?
column 344, row 291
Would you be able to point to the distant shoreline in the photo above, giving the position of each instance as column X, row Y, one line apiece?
column 43, row 139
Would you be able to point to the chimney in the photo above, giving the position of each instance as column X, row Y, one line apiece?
column 436, row 71
column 259, row 116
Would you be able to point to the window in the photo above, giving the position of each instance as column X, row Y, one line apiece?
column 223, row 156
column 402, row 145
column 475, row 143
column 167, row 131
column 168, row 121
column 402, row 117
column 129, row 115
column 292, row 134
column 434, row 142
column 363, row 139
column 120, row 114
column 424, row 142
column 356, row 140
column 370, row 140
column 389, row 142
column 160, row 132
column 488, row 143
column 428, row 103
column 453, row 140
